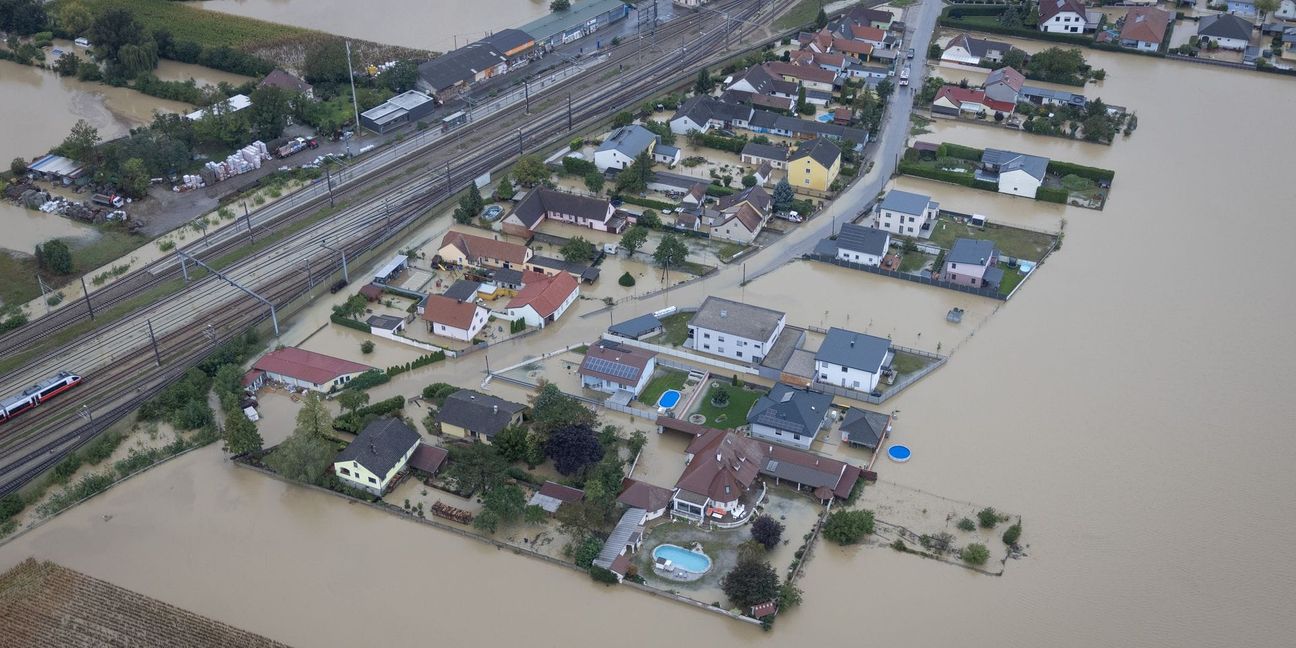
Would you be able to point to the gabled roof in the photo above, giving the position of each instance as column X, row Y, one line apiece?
column 802, row 72
column 640, row 494
column 460, row 66
column 314, row 368
column 821, row 150
column 635, row 327
column 723, row 466
column 553, row 495
column 864, row 427
column 629, row 140
column 545, row 294
column 462, row 290
column 506, row 40
column 971, row 251
column 854, row 350
column 863, row 239
column 480, row 247
column 960, row 95
column 746, row 214
column 768, row 151
column 1007, row 161
column 743, row 320
column 756, row 196
column 481, row 413
column 853, row 46
column 1225, row 26
column 440, row 309
column 428, row 458
column 281, row 79
column 799, row 411
column 380, row 445
column 866, row 32
column 811, row 470
column 860, row 14
column 906, row 202
column 618, row 363
column 1145, row 24
column 702, row 109
column 1007, row 76
column 976, row 46
column 542, row 201
column 1050, row 8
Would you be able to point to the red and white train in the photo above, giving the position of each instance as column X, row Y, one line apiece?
column 37, row 394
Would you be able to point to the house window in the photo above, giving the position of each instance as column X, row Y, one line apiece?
column 721, row 339
column 706, row 335
column 706, row 346
column 843, row 369
column 373, row 481
column 344, row 471
column 796, row 437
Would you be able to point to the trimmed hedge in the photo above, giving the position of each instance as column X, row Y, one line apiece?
column 371, row 378
column 577, row 166
column 349, row 323
column 647, row 202
column 722, row 143
column 964, row 179
column 1051, row 194
column 959, row 151
column 717, row 191
column 984, row 184
column 1092, row 173
column 992, row 28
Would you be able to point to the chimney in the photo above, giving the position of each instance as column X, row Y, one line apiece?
column 494, row 409
column 724, row 313
column 852, row 342
column 372, row 449
column 718, row 458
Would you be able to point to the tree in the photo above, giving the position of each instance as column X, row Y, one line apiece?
column 512, row 443
column 134, row 178
column 988, row 517
column 80, row 142
column 662, row 130
column 934, row 51
column 584, row 517
column 966, row 524
column 585, row 552
column 648, row 219
column 54, row 256
column 1015, row 59
column 305, row 455
column 573, row 448
column 1265, row 7
column 1098, row 128
column 476, row 467
column 594, row 181
column 326, row 62
column 975, row 554
column 821, row 19
column 470, row 205
column 1013, row 533
column 783, row 196
column 553, row 409
column 749, row 181
column 269, row 112
column 670, row 252
column 622, row 119
column 23, row 17
column 507, row 502
column 803, row 106
column 767, row 531
column 627, row 280
column 504, row 190
column 560, row 5
column 68, row 64
column 751, row 551
column 634, row 178
column 634, row 238
column 18, row 166
column 313, row 418
column 241, row 434
column 1056, row 65
column 704, row 84
column 353, row 399
column 114, row 29
column 530, row 171
column 751, row 583
column 400, row 77
column 884, row 89
column 486, row 521
column 578, row 250
column 848, row 527
column 367, row 347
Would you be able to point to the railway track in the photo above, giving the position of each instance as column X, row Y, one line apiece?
column 40, row 440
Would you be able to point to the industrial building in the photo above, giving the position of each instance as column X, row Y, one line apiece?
column 402, row 109
column 583, row 19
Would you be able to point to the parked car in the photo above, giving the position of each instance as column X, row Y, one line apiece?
column 492, row 212
column 911, row 52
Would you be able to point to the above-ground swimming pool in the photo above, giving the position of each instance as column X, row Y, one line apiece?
column 669, row 398
column 824, row 118
column 899, row 453
column 681, row 558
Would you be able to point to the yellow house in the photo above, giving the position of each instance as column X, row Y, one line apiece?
column 467, row 414
column 815, row 165
column 378, row 453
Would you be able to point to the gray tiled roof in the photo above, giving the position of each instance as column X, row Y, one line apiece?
column 906, row 202
column 970, row 251
column 380, row 445
column 855, row 350
column 1225, row 26
column 462, row 290
column 864, row 427
column 620, row 535
column 541, row 201
column 799, row 411
column 629, row 140
column 586, row 273
column 481, row 413
column 862, row 239
column 820, row 150
column 507, row 39
column 633, row 328
column 743, row 320
column 769, row 151
column 460, row 65
column 1010, row 161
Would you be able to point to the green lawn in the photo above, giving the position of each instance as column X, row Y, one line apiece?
column 20, row 285
column 732, row 415
column 665, row 379
column 907, row 363
column 729, row 250
column 1012, row 277
column 800, row 15
column 1012, row 241
column 914, row 261
column 675, row 328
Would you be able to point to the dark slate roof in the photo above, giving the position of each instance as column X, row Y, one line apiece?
column 754, row 195
column 1010, row 161
column 428, row 458
column 743, row 320
column 862, row 239
column 541, row 201
column 820, row 150
column 462, row 290
column 855, row 350
column 1225, row 26
column 864, row 427
column 460, row 65
column 586, row 273
column 768, row 151
column 387, row 322
column 633, row 328
column 629, row 140
column 976, row 46
column 970, row 251
column 993, row 276
column 788, row 408
column 507, row 39
column 509, row 276
column 703, row 108
column 478, row 412
column 380, row 445
column 906, row 202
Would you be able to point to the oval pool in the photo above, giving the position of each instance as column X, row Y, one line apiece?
column 899, row 453
column 698, row 563
column 669, row 398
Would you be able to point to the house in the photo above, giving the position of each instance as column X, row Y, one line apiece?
column 717, row 481
column 1226, row 30
column 543, row 299
column 452, row 318
column 755, row 197
column 404, row 108
column 764, row 174
column 1144, row 28
column 594, row 213
column 1015, row 173
column 809, row 76
column 857, row 50
column 734, row 330
column 789, row 415
column 376, row 455
column 696, row 195
column 1063, row 16
column 467, row 414
column 1051, row 97
column 654, row 500
column 964, row 48
column 621, row 148
column 1245, row 8
column 865, row 428
column 866, row 34
column 815, row 165
column 463, row 290
column 702, row 113
column 972, row 262
column 826, row 479
column 758, row 80
column 741, row 224
column 862, row 245
column 1289, row 43
column 463, row 249
column 553, row 495
column 612, row 367
column 872, row 17
column 852, row 360
column 386, row 323
column 285, row 81
column 769, row 102
column 302, row 369
column 907, row 213
column 955, row 100
column 553, row 265
column 1286, row 10
column 755, row 154
column 1004, row 85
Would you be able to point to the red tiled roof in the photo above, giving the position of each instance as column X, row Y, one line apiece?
column 481, row 247
column 835, row 60
column 311, row 367
column 644, row 495
column 852, row 46
column 747, row 215
column 428, row 458
column 867, row 32
column 802, row 56
column 1146, row 24
column 561, row 493
column 1050, row 8
column 960, row 95
column 440, row 309
column 621, row 565
column 252, row 376
column 371, row 292
column 723, row 467
column 1008, row 76
column 544, row 295
column 680, row 425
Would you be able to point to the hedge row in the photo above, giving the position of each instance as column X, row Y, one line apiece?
column 718, row 191
column 371, row 378
column 1051, row 194
column 421, row 361
column 647, row 202
column 578, row 167
column 959, row 151
column 349, row 323
column 351, row 422
column 984, row 184
column 1034, row 34
column 909, row 168
column 722, row 143
column 1092, row 173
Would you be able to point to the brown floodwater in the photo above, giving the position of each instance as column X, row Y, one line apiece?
column 1135, row 414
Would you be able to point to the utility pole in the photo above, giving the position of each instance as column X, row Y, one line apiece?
column 447, row 179
column 569, row 112
column 354, row 104
column 386, row 213
column 526, row 90
column 86, row 291
column 310, row 277
column 328, row 178
column 274, row 316
column 45, row 290
column 156, row 354
column 345, row 274
column 247, row 218
column 521, row 151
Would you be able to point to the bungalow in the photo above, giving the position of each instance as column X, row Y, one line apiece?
column 302, row 369
column 463, row 249
column 285, row 81
column 1144, row 28
column 808, row 76
column 862, row 245
column 1051, row 97
column 1226, row 30
column 734, row 330
column 467, row 414
column 964, row 48
column 702, row 113
column 758, row 80
column 1015, row 173
column 755, row 154
column 755, row 197
column 789, row 415
column 1003, row 86
column 553, row 495
column 972, row 262
column 543, row 299
column 452, row 318
column 595, row 213
column 815, row 165
column 621, row 148
column 376, row 455
column 910, row 214
column 612, row 367
column 553, row 265
column 865, row 428
column 1065, row 16
column 768, row 102
column 654, row 500
column 638, row 328
column 857, row 50
column 955, row 100
column 852, row 360
column 825, row 478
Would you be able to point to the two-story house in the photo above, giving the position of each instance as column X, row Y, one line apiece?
column 907, row 214
column 1144, row 28
column 454, row 318
column 625, row 144
column 376, row 455
column 734, row 330
column 789, row 415
column 1015, row 173
column 1062, row 16
column 972, row 262
column 463, row 249
column 471, row 415
column 964, row 48
column 852, row 360
column 815, row 165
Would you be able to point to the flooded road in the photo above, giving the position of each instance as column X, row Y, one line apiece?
column 1131, row 403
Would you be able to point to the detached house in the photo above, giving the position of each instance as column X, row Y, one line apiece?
column 452, row 318
column 621, row 148
column 863, row 245
column 717, row 482
column 285, row 81
column 612, row 367
column 702, row 113
column 742, row 215
column 789, row 415
column 594, row 213
column 471, row 415
column 852, row 360
column 734, row 330
column 965, row 48
column 1144, row 28
column 543, row 299
column 302, row 369
column 812, row 77
column 865, row 428
column 1063, row 16
column 1004, row 85
column 815, row 165
column 466, row 249
column 906, row 213
column 1015, row 173
column 376, row 455
column 955, row 100
column 1226, row 30
column 972, row 262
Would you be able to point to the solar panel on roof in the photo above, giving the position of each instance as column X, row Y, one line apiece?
column 612, row 368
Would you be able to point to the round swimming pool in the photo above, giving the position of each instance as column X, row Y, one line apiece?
column 899, row 453
column 681, row 558
column 669, row 398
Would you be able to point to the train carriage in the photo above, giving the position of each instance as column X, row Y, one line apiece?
column 37, row 394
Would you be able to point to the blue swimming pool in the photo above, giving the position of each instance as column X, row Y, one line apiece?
column 899, row 453
column 824, row 118
column 698, row 563
column 669, row 398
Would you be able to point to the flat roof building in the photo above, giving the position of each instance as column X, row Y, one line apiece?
column 582, row 19
column 404, row 108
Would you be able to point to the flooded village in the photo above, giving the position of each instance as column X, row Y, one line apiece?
column 747, row 372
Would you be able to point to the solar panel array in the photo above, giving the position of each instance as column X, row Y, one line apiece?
column 611, row 368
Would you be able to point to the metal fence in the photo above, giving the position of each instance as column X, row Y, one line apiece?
column 926, row 281
column 691, row 357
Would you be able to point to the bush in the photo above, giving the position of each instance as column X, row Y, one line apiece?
column 601, row 575
column 438, row 392
column 367, row 346
column 1013, row 534
column 578, row 167
column 988, row 517
column 353, row 422
column 349, row 323
column 626, row 280
column 959, row 151
column 1051, row 194
column 767, row 531
column 848, row 527
column 371, row 378
column 910, row 168
column 975, row 554
column 647, row 202
column 1092, row 173
column 966, row 524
